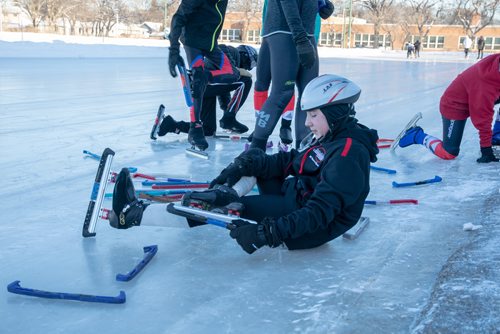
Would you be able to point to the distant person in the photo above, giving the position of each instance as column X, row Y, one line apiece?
column 472, row 94
column 417, row 45
column 467, row 43
column 198, row 25
column 313, row 195
column 244, row 57
column 410, row 49
column 480, row 47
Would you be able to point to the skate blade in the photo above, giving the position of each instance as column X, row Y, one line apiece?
column 156, row 125
column 411, row 123
column 196, row 153
column 230, row 135
column 357, row 229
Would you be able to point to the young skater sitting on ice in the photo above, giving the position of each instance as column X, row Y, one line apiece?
column 307, row 197
column 472, row 94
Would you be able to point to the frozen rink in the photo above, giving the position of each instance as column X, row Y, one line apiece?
column 413, row 270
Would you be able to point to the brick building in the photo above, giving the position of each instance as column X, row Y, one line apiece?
column 392, row 36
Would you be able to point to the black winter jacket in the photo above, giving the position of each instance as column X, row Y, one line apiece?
column 199, row 22
column 330, row 182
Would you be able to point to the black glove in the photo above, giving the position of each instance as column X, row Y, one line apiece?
column 242, row 166
column 487, row 155
column 174, row 59
column 249, row 236
column 326, row 9
column 305, row 50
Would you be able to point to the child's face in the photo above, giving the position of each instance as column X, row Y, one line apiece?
column 317, row 123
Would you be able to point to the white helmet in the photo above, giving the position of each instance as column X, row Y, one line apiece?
column 328, row 90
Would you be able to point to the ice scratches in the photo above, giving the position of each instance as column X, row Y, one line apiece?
column 466, row 295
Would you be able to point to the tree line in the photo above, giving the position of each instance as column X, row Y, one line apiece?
column 97, row 17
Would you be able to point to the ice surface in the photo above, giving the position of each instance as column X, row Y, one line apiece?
column 413, row 269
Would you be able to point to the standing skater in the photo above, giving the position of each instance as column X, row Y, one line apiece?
column 288, row 42
column 467, row 45
column 472, row 94
column 263, row 80
column 480, row 47
column 417, row 45
column 198, row 24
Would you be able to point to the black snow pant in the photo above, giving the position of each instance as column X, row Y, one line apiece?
column 286, row 73
column 228, row 103
column 270, row 203
column 224, row 72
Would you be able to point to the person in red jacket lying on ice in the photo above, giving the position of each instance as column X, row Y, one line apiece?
column 472, row 94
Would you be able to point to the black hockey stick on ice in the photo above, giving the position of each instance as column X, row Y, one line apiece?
column 149, row 252
column 16, row 288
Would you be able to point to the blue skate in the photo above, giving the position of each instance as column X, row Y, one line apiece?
column 414, row 135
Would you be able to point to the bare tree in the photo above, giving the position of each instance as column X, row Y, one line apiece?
column 474, row 15
column 35, row 9
column 249, row 8
column 78, row 11
column 109, row 12
column 55, row 10
column 424, row 14
column 379, row 12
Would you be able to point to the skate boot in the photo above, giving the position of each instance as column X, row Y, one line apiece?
column 229, row 122
column 211, row 199
column 127, row 209
column 196, row 137
column 414, row 135
column 168, row 124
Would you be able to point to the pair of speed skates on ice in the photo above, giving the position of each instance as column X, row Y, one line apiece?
column 164, row 124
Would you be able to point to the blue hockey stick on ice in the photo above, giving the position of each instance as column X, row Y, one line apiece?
column 149, row 252
column 385, row 170
column 409, row 184
column 16, row 288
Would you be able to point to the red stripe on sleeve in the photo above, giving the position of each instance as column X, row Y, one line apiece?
column 347, row 147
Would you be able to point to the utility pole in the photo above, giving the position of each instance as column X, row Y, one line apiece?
column 350, row 23
column 165, row 11
column 343, row 27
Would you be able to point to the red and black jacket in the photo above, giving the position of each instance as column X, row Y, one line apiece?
column 198, row 23
column 330, row 182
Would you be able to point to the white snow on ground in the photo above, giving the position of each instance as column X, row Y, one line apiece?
column 414, row 269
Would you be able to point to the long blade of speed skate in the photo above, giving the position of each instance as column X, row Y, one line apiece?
column 357, row 229
column 230, row 136
column 97, row 195
column 201, row 215
column 156, row 125
column 193, row 151
column 410, row 124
